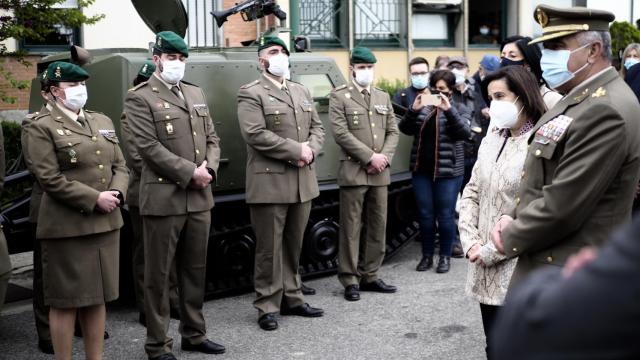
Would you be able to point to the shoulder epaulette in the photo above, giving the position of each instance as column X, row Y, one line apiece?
column 253, row 83
column 32, row 115
column 343, row 86
column 93, row 112
column 188, row 83
column 138, row 86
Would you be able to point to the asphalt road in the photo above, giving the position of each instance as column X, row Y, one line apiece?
column 429, row 318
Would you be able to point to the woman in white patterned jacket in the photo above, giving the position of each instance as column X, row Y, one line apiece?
column 516, row 105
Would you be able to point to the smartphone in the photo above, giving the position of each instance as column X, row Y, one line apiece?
column 431, row 99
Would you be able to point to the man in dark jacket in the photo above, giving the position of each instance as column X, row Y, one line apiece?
column 419, row 70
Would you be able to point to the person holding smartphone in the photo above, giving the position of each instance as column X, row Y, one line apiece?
column 439, row 126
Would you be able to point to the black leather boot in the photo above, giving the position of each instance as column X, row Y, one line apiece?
column 444, row 263
column 425, row 263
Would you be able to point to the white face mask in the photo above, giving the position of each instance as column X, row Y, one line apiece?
column 279, row 65
column 76, row 97
column 460, row 78
column 504, row 114
column 364, row 77
column 172, row 71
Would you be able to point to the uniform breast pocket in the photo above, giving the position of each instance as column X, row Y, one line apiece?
column 202, row 111
column 543, row 147
column 381, row 116
column 112, row 142
column 168, row 124
column 355, row 118
column 275, row 117
column 68, row 153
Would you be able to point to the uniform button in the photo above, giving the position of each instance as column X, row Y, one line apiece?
column 197, row 151
column 375, row 149
column 103, row 180
column 70, row 144
column 267, row 169
column 299, row 128
column 296, row 111
column 549, row 259
column 515, row 249
column 98, row 152
column 523, row 172
column 100, row 166
column 375, row 136
column 370, row 112
column 93, row 138
column 159, row 179
column 538, row 152
column 348, row 157
column 517, row 201
column 168, row 117
column 192, row 116
column 178, row 182
column 194, row 133
column 373, row 124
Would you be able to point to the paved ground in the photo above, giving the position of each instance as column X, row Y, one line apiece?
column 429, row 318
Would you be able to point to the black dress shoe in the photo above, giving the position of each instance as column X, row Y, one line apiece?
column 78, row 333
column 167, row 356
column 444, row 263
column 307, row 290
column 378, row 286
column 425, row 263
column 303, row 310
column 45, row 346
column 268, row 322
column 457, row 252
column 352, row 293
column 205, row 347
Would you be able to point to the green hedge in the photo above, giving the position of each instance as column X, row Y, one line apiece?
column 389, row 86
column 622, row 34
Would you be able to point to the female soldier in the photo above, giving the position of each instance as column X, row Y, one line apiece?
column 78, row 163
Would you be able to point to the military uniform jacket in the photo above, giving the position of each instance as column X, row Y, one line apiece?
column 580, row 174
column 361, row 131
column 73, row 164
column 274, row 124
column 36, row 189
column 134, row 162
column 173, row 137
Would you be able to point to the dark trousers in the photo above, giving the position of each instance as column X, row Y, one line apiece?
column 183, row 239
column 40, row 310
column 489, row 314
column 436, row 201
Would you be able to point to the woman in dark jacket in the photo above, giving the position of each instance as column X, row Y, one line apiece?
column 437, row 162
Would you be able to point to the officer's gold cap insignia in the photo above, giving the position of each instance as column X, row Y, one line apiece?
column 144, row 68
column 600, row 92
column 159, row 42
column 543, row 19
column 44, row 75
column 58, row 73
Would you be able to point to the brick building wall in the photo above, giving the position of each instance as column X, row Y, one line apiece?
column 20, row 72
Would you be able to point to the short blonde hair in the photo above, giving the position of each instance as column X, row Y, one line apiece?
column 632, row 46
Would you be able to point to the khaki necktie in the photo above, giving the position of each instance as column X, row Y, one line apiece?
column 367, row 97
column 176, row 91
column 82, row 121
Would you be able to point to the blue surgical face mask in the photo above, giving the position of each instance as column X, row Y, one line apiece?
column 630, row 62
column 554, row 66
column 420, row 81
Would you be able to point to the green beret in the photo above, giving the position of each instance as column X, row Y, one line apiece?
column 362, row 55
column 65, row 72
column 269, row 41
column 169, row 42
column 560, row 22
column 147, row 69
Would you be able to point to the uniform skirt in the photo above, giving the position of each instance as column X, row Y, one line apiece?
column 81, row 271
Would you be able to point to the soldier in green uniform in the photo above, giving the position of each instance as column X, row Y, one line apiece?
column 365, row 129
column 75, row 157
column 173, row 133
column 583, row 164
column 134, row 163
column 283, row 132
